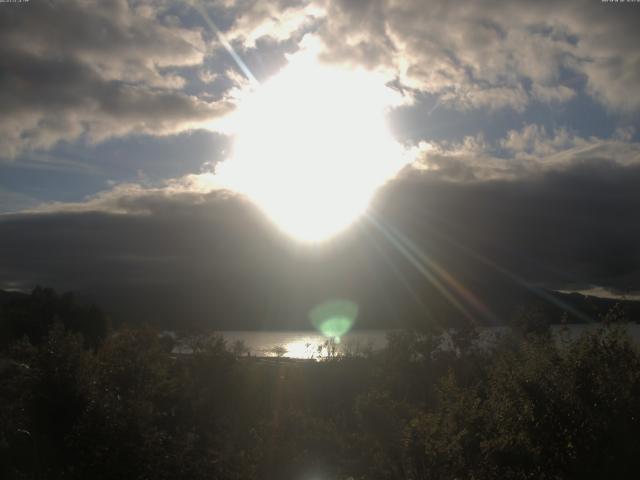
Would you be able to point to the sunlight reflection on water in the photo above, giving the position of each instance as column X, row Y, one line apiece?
column 304, row 344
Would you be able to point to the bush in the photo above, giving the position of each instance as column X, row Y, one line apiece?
column 531, row 407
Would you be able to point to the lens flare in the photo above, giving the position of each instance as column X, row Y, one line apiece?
column 334, row 318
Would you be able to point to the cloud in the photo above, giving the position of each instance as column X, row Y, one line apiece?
column 11, row 201
column 94, row 69
column 84, row 69
column 597, row 291
column 483, row 53
column 271, row 20
column 137, row 198
column 569, row 228
column 556, row 94
column 208, row 76
column 555, row 207
column 180, row 254
column 525, row 153
column 493, row 98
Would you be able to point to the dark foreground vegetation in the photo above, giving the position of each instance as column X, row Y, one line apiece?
column 119, row 405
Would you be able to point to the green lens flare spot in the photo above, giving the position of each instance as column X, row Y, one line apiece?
column 334, row 318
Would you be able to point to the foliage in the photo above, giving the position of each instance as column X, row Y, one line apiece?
column 132, row 407
column 33, row 316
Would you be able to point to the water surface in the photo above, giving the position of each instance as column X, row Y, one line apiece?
column 304, row 344
column 309, row 344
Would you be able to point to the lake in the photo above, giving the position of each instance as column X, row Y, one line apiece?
column 311, row 344
column 304, row 344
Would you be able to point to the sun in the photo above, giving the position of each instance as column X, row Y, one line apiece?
column 312, row 146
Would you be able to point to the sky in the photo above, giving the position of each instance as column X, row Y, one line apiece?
column 523, row 119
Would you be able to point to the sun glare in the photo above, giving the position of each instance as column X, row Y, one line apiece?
column 312, row 146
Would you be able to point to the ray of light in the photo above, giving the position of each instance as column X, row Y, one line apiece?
column 399, row 245
column 516, row 278
column 403, row 280
column 225, row 43
column 447, row 278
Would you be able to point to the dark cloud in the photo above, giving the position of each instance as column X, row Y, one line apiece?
column 563, row 228
column 213, row 260
column 94, row 68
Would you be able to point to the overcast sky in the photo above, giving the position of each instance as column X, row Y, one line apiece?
column 526, row 117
